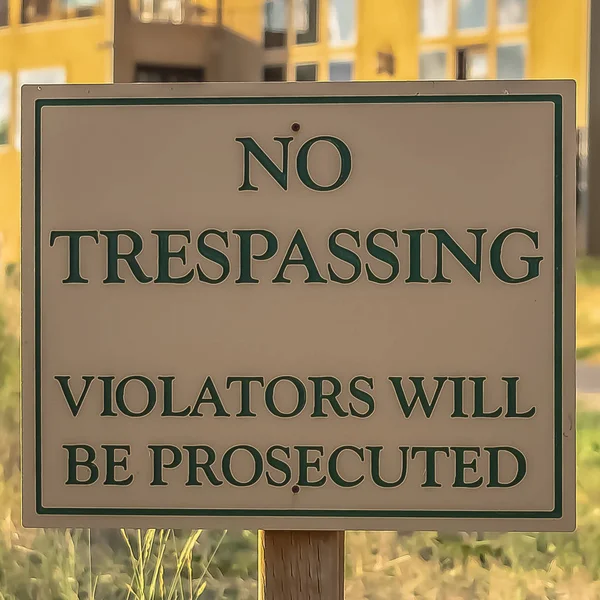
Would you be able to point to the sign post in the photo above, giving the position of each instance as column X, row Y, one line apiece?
column 299, row 308
column 301, row 565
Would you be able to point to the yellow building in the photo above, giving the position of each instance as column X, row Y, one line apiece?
column 90, row 41
column 40, row 42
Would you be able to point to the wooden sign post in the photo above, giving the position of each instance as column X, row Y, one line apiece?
column 301, row 565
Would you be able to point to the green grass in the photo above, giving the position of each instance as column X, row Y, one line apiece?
column 182, row 565
column 588, row 309
column 3, row 132
column 588, row 271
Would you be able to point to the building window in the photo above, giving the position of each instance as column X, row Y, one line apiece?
column 43, row 76
column 276, row 18
column 3, row 13
column 306, row 13
column 511, row 61
column 472, row 63
column 472, row 14
column 5, row 106
column 162, row 74
column 307, row 72
column 434, row 18
column 512, row 12
column 342, row 22
column 80, row 8
column 34, row 11
column 432, row 65
column 341, row 70
column 274, row 73
column 475, row 42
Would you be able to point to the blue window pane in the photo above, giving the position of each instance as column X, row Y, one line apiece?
column 342, row 22
column 434, row 18
column 341, row 71
column 472, row 14
column 512, row 12
column 511, row 61
column 275, row 16
column 432, row 65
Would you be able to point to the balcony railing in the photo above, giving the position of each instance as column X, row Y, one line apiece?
column 171, row 11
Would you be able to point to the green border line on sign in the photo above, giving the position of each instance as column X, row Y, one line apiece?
column 555, row 99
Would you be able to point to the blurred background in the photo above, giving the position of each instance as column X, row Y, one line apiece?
column 101, row 41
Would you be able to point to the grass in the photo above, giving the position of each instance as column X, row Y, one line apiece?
column 473, row 566
column 150, row 563
column 3, row 132
column 588, row 310
column 212, row 565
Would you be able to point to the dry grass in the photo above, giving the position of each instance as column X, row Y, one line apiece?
column 382, row 568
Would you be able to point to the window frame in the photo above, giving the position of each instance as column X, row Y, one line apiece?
column 461, row 70
column 284, row 70
column 434, row 50
column 320, row 52
column 514, row 42
column 493, row 36
column 343, row 44
column 317, row 22
column 511, row 26
column 449, row 9
column 286, row 34
column 469, row 30
column 332, row 60
column 306, row 64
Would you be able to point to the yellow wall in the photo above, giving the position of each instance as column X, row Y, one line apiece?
column 74, row 44
column 558, row 42
column 388, row 26
column 244, row 17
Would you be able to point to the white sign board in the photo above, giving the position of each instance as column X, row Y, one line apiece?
column 299, row 306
